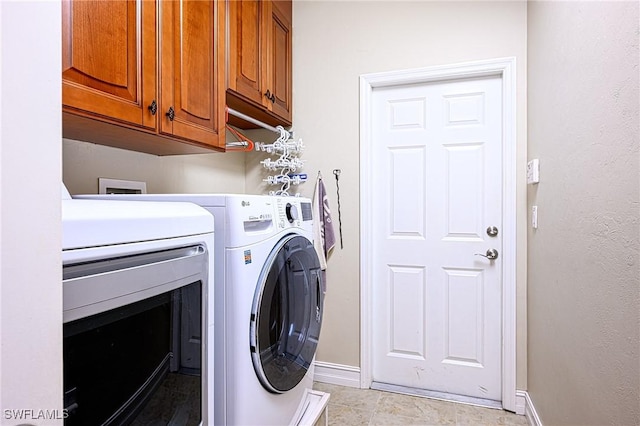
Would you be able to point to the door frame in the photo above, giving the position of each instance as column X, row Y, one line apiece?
column 505, row 68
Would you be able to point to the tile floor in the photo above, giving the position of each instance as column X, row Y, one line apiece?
column 356, row 407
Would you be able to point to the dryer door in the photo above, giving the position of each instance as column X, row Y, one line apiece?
column 287, row 314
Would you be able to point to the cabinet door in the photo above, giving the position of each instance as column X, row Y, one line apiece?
column 279, row 58
column 109, row 60
column 247, row 45
column 191, row 75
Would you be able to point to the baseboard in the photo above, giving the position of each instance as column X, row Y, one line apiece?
column 529, row 410
column 337, row 374
column 521, row 402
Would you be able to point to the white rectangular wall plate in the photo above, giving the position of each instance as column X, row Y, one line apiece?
column 119, row 186
column 534, row 217
column 533, row 171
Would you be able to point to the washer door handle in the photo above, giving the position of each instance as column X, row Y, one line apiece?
column 318, row 295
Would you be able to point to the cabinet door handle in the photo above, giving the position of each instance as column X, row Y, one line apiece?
column 153, row 107
column 171, row 113
column 270, row 96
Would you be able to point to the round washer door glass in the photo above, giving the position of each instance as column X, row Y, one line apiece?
column 286, row 314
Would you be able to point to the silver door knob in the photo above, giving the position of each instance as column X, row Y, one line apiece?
column 491, row 254
column 492, row 231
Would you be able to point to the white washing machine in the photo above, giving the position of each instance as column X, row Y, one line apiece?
column 268, row 305
column 274, row 303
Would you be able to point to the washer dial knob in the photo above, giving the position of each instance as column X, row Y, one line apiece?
column 292, row 212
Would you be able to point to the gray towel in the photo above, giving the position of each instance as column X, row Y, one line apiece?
column 324, row 236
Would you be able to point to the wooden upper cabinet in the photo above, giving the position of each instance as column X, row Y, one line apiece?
column 108, row 59
column 279, row 58
column 260, row 45
column 246, row 50
column 123, row 72
column 192, row 52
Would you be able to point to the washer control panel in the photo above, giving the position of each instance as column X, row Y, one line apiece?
column 305, row 208
column 292, row 212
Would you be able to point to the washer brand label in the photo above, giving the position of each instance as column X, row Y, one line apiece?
column 247, row 257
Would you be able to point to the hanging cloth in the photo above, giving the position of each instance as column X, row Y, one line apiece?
column 324, row 237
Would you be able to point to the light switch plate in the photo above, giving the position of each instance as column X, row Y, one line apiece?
column 533, row 171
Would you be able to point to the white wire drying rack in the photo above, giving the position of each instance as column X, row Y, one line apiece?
column 287, row 164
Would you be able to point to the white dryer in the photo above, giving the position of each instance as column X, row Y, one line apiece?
column 137, row 312
column 268, row 305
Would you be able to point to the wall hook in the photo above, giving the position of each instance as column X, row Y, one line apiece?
column 336, row 173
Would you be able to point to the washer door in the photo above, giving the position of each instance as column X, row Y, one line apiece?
column 287, row 314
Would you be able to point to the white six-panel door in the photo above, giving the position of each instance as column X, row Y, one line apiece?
column 437, row 180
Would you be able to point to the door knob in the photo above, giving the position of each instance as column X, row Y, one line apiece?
column 491, row 254
column 492, row 231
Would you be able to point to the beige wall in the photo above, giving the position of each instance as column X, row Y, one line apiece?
column 584, row 267
column 30, row 231
column 336, row 42
column 84, row 163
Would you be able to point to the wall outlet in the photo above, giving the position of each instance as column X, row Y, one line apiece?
column 533, row 171
column 534, row 217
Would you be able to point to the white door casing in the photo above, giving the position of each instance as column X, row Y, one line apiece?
column 436, row 149
column 458, row 237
